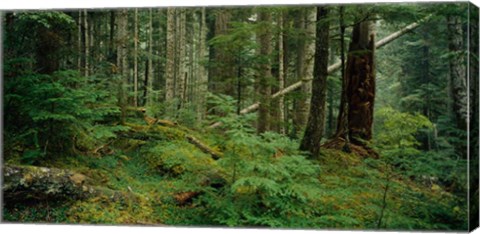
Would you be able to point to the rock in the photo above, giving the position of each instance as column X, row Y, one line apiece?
column 27, row 182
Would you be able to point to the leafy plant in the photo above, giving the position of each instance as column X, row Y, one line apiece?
column 57, row 109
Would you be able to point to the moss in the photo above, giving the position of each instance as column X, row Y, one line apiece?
column 137, row 185
column 105, row 210
column 175, row 158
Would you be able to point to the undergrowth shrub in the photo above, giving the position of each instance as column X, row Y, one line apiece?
column 397, row 142
column 54, row 112
column 267, row 181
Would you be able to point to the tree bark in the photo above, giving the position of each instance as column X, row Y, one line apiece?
column 149, row 82
column 79, row 42
column 264, row 72
column 316, row 119
column 360, row 80
column 305, row 57
column 170, row 63
column 342, row 121
column 458, row 78
column 302, row 101
column 202, row 71
column 86, row 39
column 135, row 59
column 47, row 49
column 281, row 77
column 474, row 114
column 122, row 62
column 181, row 55
column 111, row 44
column 223, row 68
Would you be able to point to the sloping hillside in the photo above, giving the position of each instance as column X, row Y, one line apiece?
column 156, row 175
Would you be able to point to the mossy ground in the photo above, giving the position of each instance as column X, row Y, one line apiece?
column 150, row 172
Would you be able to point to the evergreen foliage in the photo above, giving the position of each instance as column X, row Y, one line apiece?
column 196, row 156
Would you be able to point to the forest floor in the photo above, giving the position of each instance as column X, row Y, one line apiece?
column 165, row 179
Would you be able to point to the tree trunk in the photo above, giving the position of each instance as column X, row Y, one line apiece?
column 342, row 122
column 301, row 102
column 305, row 54
column 264, row 72
column 149, row 82
column 426, row 76
column 146, row 93
column 181, row 58
column 111, row 44
column 122, row 62
column 91, row 43
column 360, row 80
column 316, row 120
column 203, row 76
column 86, row 36
column 135, row 59
column 474, row 115
column 79, row 42
column 281, row 77
column 223, row 69
column 47, row 49
column 458, row 71
column 170, row 62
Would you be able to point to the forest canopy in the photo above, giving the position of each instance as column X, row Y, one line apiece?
column 328, row 116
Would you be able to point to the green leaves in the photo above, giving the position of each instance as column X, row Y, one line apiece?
column 397, row 130
column 46, row 19
column 58, row 107
column 32, row 156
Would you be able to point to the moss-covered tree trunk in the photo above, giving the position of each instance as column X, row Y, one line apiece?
column 29, row 182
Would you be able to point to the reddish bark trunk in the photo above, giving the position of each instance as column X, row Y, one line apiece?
column 360, row 90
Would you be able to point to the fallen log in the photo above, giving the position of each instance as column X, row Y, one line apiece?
column 24, row 182
column 204, row 148
column 40, row 183
column 331, row 68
